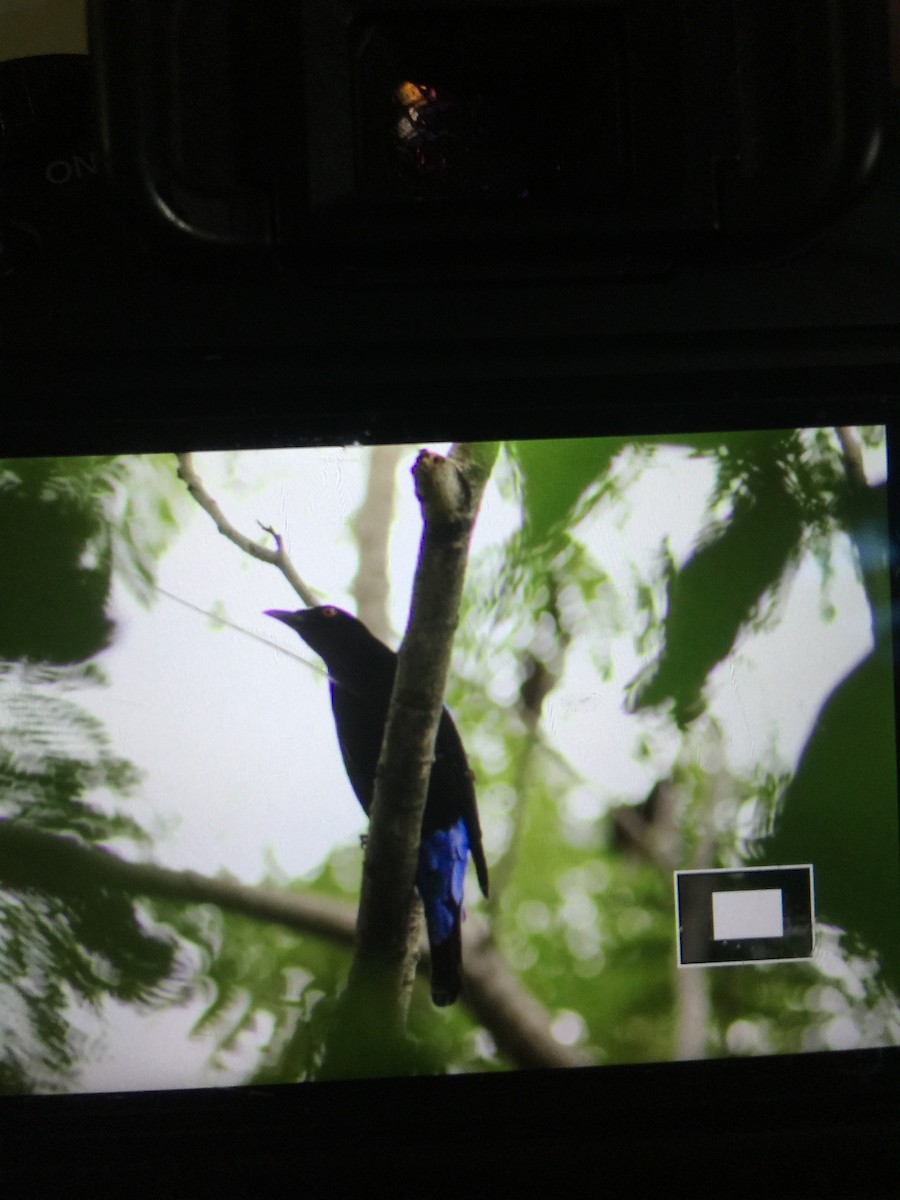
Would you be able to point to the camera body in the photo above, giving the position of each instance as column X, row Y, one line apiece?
column 495, row 220
column 739, row 190
column 497, row 139
column 493, row 141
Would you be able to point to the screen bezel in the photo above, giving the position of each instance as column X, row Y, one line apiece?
column 700, row 1114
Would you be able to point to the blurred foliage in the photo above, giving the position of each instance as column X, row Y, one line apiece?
column 58, row 545
column 65, row 940
column 64, row 525
column 262, row 984
column 777, row 495
column 750, row 550
column 268, row 986
column 560, row 479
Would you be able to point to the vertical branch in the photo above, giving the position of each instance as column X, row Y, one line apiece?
column 539, row 681
column 650, row 832
column 863, row 514
column 371, row 591
column 692, row 1011
column 693, row 1003
column 851, row 454
column 369, row 1030
column 372, row 527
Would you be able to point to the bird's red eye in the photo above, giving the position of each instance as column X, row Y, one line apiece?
column 329, row 612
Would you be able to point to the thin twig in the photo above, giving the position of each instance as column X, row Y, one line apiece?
column 278, row 557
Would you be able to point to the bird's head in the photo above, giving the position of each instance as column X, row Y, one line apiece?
column 333, row 634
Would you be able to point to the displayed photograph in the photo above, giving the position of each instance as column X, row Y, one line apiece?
column 622, row 708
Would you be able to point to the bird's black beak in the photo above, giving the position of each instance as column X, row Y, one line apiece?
column 289, row 618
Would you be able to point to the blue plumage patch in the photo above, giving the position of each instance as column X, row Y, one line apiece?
column 440, row 878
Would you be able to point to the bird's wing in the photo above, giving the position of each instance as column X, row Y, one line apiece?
column 360, row 730
column 451, row 794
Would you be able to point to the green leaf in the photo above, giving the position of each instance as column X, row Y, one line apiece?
column 54, row 545
column 840, row 813
column 719, row 590
column 555, row 475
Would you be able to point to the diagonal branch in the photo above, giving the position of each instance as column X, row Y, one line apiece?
column 34, row 859
column 518, row 1023
column 278, row 557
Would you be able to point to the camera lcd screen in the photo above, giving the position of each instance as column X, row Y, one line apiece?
column 673, row 679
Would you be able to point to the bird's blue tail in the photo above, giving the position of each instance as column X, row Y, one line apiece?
column 443, row 855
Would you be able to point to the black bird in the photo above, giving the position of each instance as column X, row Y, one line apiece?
column 361, row 671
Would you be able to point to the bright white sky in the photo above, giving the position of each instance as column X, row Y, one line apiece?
column 236, row 742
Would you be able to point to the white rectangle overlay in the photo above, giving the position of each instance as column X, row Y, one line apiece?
column 754, row 913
